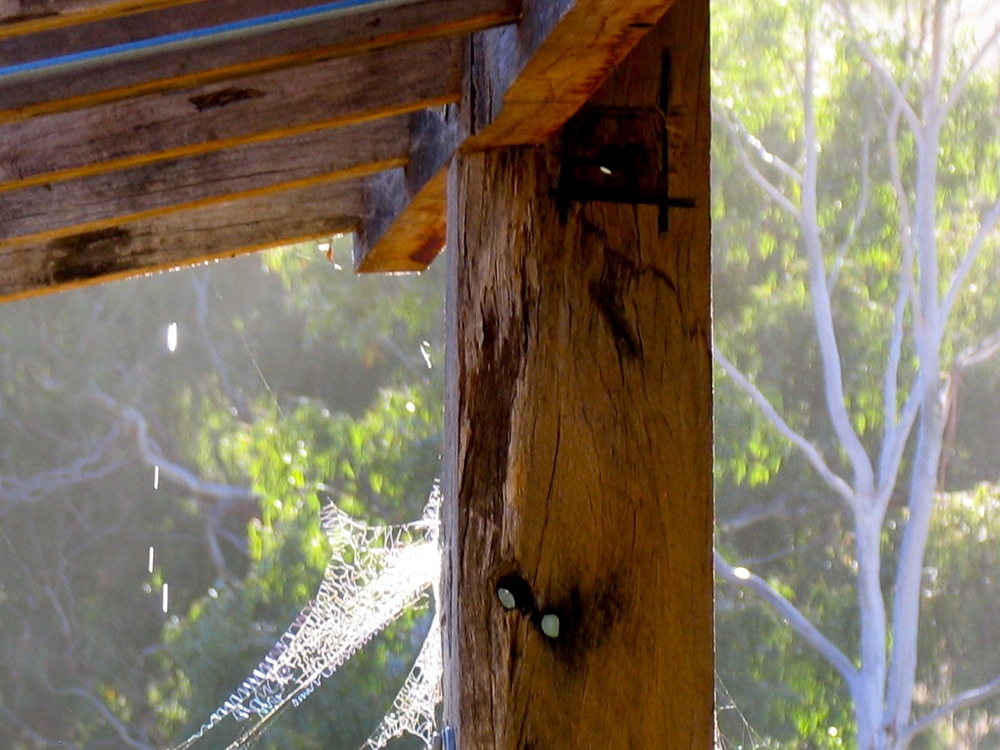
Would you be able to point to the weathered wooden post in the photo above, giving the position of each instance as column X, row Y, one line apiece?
column 579, row 415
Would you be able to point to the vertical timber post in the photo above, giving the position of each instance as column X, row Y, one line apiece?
column 579, row 449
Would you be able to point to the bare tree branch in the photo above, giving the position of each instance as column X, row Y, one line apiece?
column 864, row 194
column 897, row 427
column 963, row 80
column 783, row 507
column 826, row 334
column 113, row 721
column 29, row 732
column 968, row 699
column 975, row 355
column 894, row 448
column 152, row 456
column 931, row 108
column 789, row 612
column 987, row 224
column 755, row 174
column 737, row 130
column 811, row 453
column 88, row 467
column 876, row 66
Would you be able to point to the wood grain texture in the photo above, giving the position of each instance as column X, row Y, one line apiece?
column 196, row 235
column 100, row 201
column 30, row 16
column 212, row 118
column 579, row 442
column 528, row 81
column 531, row 78
column 404, row 225
column 326, row 38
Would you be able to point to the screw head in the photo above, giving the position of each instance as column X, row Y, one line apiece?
column 506, row 597
column 550, row 625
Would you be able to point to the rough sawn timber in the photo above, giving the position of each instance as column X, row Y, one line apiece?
column 103, row 200
column 579, row 440
column 530, row 78
column 158, row 243
column 282, row 48
column 28, row 16
column 335, row 93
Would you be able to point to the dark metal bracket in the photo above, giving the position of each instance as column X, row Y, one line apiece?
column 619, row 155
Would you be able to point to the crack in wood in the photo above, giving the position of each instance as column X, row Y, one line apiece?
column 224, row 97
column 28, row 16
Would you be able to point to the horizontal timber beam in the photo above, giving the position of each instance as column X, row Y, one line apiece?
column 403, row 207
column 32, row 16
column 28, row 95
column 195, row 235
column 539, row 73
column 535, row 75
column 100, row 201
column 167, row 126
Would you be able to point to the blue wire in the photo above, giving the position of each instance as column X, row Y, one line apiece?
column 167, row 40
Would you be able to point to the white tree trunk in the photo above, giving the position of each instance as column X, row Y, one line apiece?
column 882, row 686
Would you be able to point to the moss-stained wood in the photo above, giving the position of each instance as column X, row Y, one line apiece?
column 167, row 126
column 579, row 441
column 529, row 79
column 196, row 235
column 189, row 67
column 103, row 200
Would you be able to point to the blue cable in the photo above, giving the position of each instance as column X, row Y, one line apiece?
column 153, row 44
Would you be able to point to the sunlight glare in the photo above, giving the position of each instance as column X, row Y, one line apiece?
column 172, row 337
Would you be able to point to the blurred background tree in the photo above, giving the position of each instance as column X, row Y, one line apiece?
column 166, row 446
column 856, row 198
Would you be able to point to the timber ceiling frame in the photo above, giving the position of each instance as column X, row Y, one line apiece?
column 139, row 135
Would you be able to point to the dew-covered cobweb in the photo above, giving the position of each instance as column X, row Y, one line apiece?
column 375, row 575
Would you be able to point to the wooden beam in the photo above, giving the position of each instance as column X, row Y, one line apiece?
column 65, row 27
column 404, row 225
column 200, row 234
column 104, row 200
column 535, row 77
column 168, row 126
column 530, row 79
column 579, row 439
column 31, row 16
column 174, row 69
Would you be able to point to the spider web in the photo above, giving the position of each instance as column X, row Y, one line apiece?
column 376, row 574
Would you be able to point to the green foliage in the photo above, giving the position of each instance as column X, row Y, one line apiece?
column 291, row 380
column 775, row 515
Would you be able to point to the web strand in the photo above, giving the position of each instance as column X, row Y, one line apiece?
column 376, row 574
